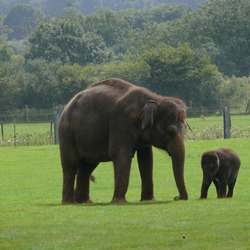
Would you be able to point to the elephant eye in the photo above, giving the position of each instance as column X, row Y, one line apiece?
column 171, row 131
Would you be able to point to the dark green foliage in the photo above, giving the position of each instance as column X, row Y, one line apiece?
column 88, row 7
column 9, row 89
column 22, row 20
column 55, row 7
column 5, row 52
column 170, row 49
column 40, row 87
column 66, row 40
column 3, row 30
column 221, row 28
column 71, row 79
column 112, row 27
column 180, row 72
column 164, row 13
column 184, row 73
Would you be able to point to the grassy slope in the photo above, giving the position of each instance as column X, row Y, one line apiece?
column 31, row 216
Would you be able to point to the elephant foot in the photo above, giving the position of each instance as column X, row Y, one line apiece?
column 68, row 198
column 178, row 198
column 88, row 201
column 118, row 200
column 84, row 201
column 64, row 202
column 148, row 199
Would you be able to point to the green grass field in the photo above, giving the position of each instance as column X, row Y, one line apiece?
column 32, row 217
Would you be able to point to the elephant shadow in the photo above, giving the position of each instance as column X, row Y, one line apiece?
column 103, row 204
column 135, row 203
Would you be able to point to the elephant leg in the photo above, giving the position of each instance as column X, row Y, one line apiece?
column 231, row 189
column 69, row 173
column 204, row 189
column 122, row 165
column 217, row 185
column 83, row 181
column 145, row 162
column 223, row 188
column 70, row 161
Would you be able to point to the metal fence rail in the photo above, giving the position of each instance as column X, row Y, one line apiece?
column 42, row 129
column 36, row 129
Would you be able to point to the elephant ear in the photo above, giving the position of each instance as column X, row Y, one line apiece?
column 217, row 160
column 147, row 114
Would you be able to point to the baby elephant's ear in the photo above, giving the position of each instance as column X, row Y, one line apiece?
column 147, row 114
column 217, row 159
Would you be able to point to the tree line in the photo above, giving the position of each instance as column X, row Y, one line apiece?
column 201, row 55
column 56, row 7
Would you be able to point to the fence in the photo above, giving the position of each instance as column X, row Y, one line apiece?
column 217, row 124
column 41, row 129
column 37, row 129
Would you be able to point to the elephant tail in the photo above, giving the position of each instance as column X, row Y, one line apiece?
column 92, row 178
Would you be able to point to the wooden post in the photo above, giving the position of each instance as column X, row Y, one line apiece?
column 51, row 129
column 56, row 121
column 14, row 134
column 2, row 131
column 248, row 107
column 227, row 123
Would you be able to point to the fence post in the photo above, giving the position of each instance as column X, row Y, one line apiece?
column 14, row 134
column 227, row 122
column 51, row 129
column 248, row 107
column 2, row 131
column 56, row 120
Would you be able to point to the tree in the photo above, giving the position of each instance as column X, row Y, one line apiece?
column 5, row 52
column 181, row 72
column 55, row 7
column 221, row 28
column 88, row 7
column 3, row 30
column 234, row 92
column 112, row 27
column 159, row 14
column 22, row 19
column 66, row 40
column 39, row 85
column 184, row 73
column 10, row 72
column 218, row 27
column 71, row 80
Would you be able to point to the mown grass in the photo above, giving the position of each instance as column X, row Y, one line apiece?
column 32, row 216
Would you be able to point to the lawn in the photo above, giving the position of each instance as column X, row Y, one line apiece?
column 32, row 216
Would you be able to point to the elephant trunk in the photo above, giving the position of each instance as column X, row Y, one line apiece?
column 177, row 152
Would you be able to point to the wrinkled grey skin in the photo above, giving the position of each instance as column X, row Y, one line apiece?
column 111, row 121
column 221, row 167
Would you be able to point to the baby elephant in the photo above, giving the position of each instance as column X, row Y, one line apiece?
column 222, row 167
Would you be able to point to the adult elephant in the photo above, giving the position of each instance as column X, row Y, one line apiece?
column 110, row 121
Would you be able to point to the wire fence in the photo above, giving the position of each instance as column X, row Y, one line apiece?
column 205, row 125
column 35, row 129
column 41, row 129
